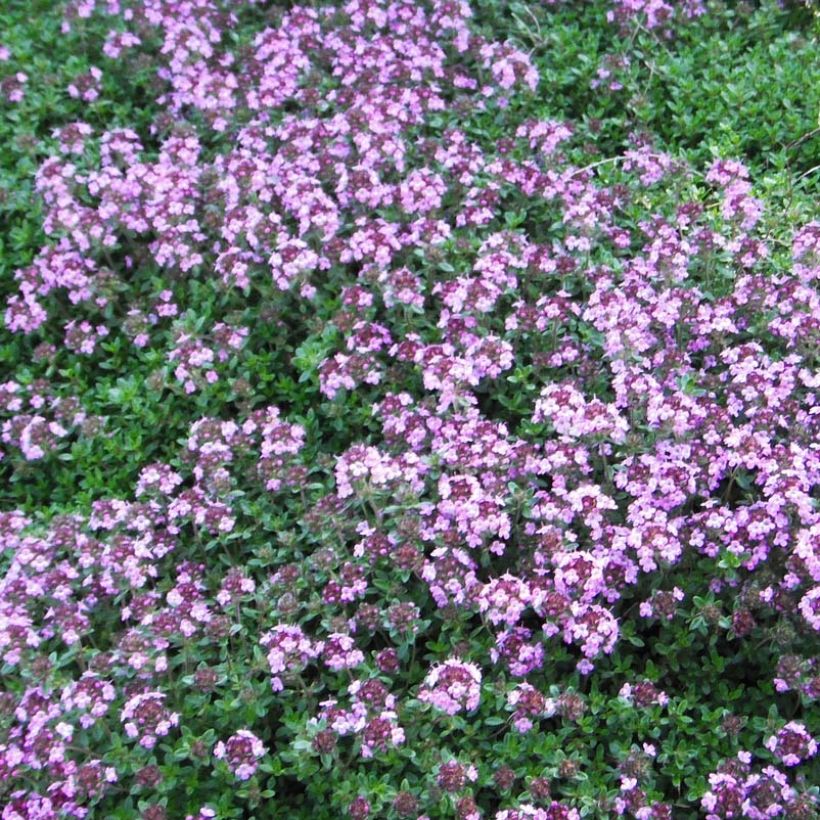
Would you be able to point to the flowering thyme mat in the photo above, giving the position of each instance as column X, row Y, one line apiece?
column 409, row 409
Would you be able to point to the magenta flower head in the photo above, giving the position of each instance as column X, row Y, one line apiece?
column 792, row 744
column 289, row 652
column 241, row 752
column 146, row 718
column 339, row 652
column 359, row 809
column 452, row 686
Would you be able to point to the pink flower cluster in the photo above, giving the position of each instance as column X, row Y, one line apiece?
column 146, row 718
column 452, row 687
column 735, row 790
column 289, row 652
column 241, row 752
column 654, row 15
column 371, row 717
column 792, row 744
column 529, row 705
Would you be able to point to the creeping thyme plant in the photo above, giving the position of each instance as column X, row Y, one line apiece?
column 409, row 409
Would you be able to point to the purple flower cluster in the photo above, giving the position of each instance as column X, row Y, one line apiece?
column 736, row 790
column 792, row 744
column 370, row 717
column 241, row 752
column 146, row 719
column 452, row 686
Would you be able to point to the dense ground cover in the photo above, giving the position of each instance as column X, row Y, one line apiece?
column 409, row 409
